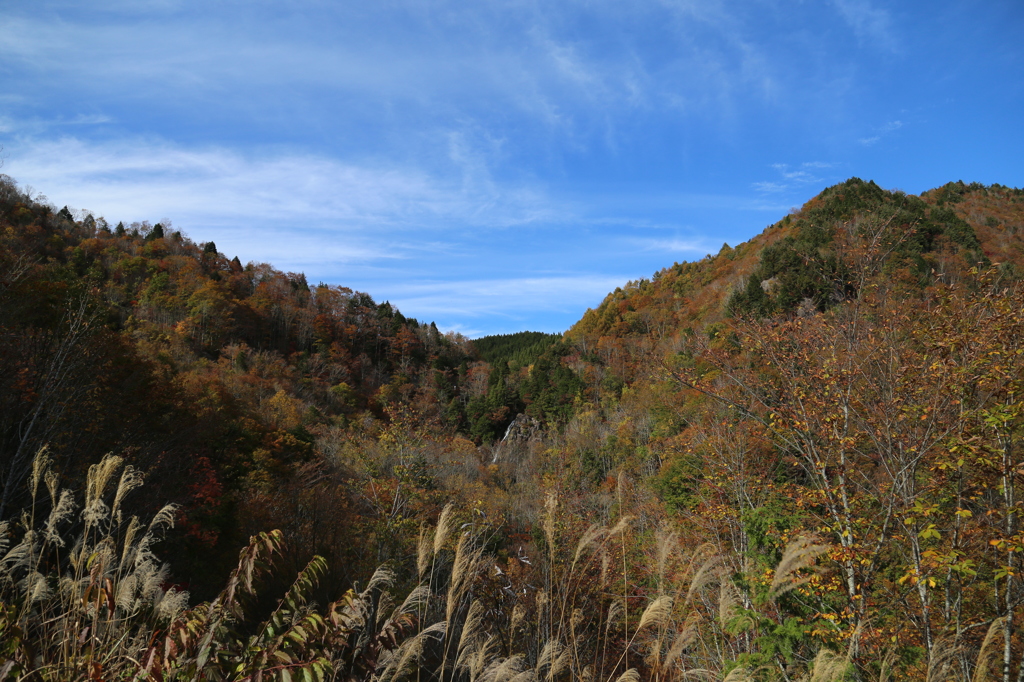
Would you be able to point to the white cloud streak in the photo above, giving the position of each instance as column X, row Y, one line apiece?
column 868, row 22
column 511, row 298
column 881, row 132
column 799, row 178
column 688, row 246
column 145, row 177
column 475, row 60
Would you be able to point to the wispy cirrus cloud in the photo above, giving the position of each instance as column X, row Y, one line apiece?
column 880, row 132
column 675, row 246
column 471, row 61
column 513, row 300
column 299, row 211
column 792, row 178
column 768, row 187
column 869, row 22
column 148, row 176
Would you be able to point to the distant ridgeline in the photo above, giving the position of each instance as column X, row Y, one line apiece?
column 851, row 235
column 526, row 374
column 807, row 266
column 514, row 350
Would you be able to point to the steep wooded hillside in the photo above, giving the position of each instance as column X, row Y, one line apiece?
column 808, row 262
column 216, row 378
column 852, row 243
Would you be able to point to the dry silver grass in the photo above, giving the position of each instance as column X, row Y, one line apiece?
column 728, row 602
column 589, row 539
column 423, row 551
column 171, row 604
column 163, row 518
column 525, row 676
column 383, row 577
column 61, row 512
column 404, row 659
column 630, row 675
column 444, row 526
column 129, row 540
column 20, row 556
column 35, row 587
column 988, row 652
column 553, row 659
column 67, row 588
column 136, row 552
column 886, row 666
column 667, row 541
column 800, row 553
column 657, row 613
column 417, row 599
column 100, row 559
column 503, row 669
column 124, row 595
column 474, row 658
column 548, row 524
column 414, row 650
column 663, row 656
column 4, row 540
column 684, row 638
column 941, row 660
column 549, row 653
column 146, row 586
column 621, row 525
column 95, row 513
column 829, row 666
column 472, row 628
column 131, row 478
column 703, row 568
column 40, row 466
column 614, row 614
column 576, row 619
column 110, row 554
column 467, row 559
column 385, row 605
column 740, row 675
column 52, row 483
column 96, row 481
column 518, row 616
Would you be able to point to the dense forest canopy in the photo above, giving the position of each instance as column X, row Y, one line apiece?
column 795, row 459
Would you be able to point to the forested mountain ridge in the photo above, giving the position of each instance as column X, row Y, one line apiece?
column 794, row 265
column 796, row 459
column 215, row 377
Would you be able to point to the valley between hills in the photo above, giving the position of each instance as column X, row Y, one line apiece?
column 796, row 459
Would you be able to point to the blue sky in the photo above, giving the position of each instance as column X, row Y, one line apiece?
column 498, row 166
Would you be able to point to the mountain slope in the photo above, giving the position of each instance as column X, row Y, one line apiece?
column 801, row 458
column 216, row 378
column 811, row 258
